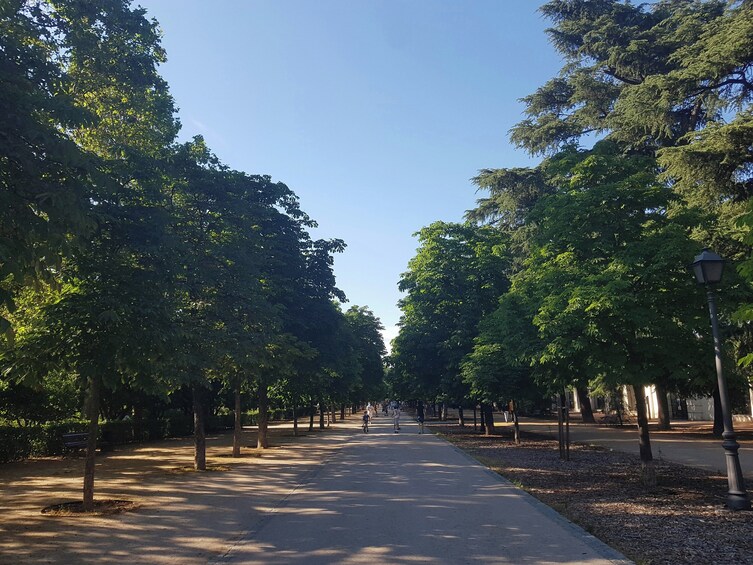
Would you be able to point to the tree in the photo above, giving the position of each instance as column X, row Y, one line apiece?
column 647, row 73
column 91, row 67
column 455, row 278
column 369, row 350
column 609, row 278
column 670, row 79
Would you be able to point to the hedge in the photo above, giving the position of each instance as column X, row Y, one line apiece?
column 17, row 443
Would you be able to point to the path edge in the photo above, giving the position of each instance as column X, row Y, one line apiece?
column 600, row 547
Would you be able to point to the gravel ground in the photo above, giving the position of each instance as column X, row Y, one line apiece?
column 683, row 520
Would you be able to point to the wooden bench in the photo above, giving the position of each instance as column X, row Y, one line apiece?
column 76, row 440
column 79, row 440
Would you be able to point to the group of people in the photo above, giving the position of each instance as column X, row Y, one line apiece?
column 393, row 409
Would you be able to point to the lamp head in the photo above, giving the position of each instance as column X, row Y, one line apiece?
column 708, row 267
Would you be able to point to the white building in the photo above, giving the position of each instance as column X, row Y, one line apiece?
column 700, row 408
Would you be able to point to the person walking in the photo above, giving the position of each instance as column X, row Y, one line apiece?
column 420, row 417
column 396, row 418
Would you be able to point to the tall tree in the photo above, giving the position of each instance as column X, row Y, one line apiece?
column 105, row 56
column 453, row 281
column 609, row 277
column 369, row 350
column 671, row 79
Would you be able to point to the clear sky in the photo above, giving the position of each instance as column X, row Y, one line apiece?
column 375, row 112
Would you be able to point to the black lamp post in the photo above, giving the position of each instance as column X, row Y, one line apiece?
column 708, row 271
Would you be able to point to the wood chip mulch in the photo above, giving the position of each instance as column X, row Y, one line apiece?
column 101, row 508
column 683, row 520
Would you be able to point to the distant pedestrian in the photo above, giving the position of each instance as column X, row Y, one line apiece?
column 396, row 418
column 420, row 417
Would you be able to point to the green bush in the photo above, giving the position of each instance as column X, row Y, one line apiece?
column 116, row 432
column 177, row 424
column 17, row 443
column 250, row 418
column 219, row 422
column 153, row 429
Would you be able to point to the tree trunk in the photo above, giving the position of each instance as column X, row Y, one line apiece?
column 718, row 415
column 648, row 471
column 515, row 423
column 444, row 411
column 488, row 419
column 567, row 431
column 200, row 438
column 663, row 402
column 295, row 420
column 342, row 411
column 586, row 410
column 238, row 430
column 475, row 425
column 483, row 418
column 138, row 424
column 561, row 424
column 262, row 441
column 311, row 415
column 461, row 417
column 95, row 390
column 321, row 415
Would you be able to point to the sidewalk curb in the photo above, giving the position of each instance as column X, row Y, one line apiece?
column 590, row 540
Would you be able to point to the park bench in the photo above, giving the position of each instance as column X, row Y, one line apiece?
column 76, row 440
column 79, row 440
column 615, row 420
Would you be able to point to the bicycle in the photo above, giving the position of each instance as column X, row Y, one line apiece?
column 365, row 426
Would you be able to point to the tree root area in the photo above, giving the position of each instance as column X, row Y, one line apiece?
column 682, row 520
column 101, row 508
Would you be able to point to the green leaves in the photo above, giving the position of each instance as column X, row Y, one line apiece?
column 602, row 285
column 455, row 278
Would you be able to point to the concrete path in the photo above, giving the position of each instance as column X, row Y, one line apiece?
column 706, row 453
column 410, row 498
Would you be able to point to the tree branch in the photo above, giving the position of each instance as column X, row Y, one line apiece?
column 612, row 72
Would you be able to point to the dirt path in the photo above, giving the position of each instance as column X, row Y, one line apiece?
column 185, row 517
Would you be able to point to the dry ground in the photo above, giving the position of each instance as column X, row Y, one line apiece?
column 682, row 521
column 215, row 507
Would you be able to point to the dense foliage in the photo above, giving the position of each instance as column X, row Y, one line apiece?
column 646, row 143
column 140, row 276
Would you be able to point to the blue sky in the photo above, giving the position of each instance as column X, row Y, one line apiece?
column 376, row 113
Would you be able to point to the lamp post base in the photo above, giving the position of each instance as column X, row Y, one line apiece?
column 738, row 502
column 737, row 497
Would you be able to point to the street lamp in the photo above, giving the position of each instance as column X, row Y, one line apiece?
column 708, row 271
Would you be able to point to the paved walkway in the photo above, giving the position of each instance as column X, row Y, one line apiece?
column 410, row 498
column 335, row 497
column 686, row 445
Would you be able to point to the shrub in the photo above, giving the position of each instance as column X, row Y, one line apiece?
column 177, row 424
column 17, row 443
column 219, row 422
